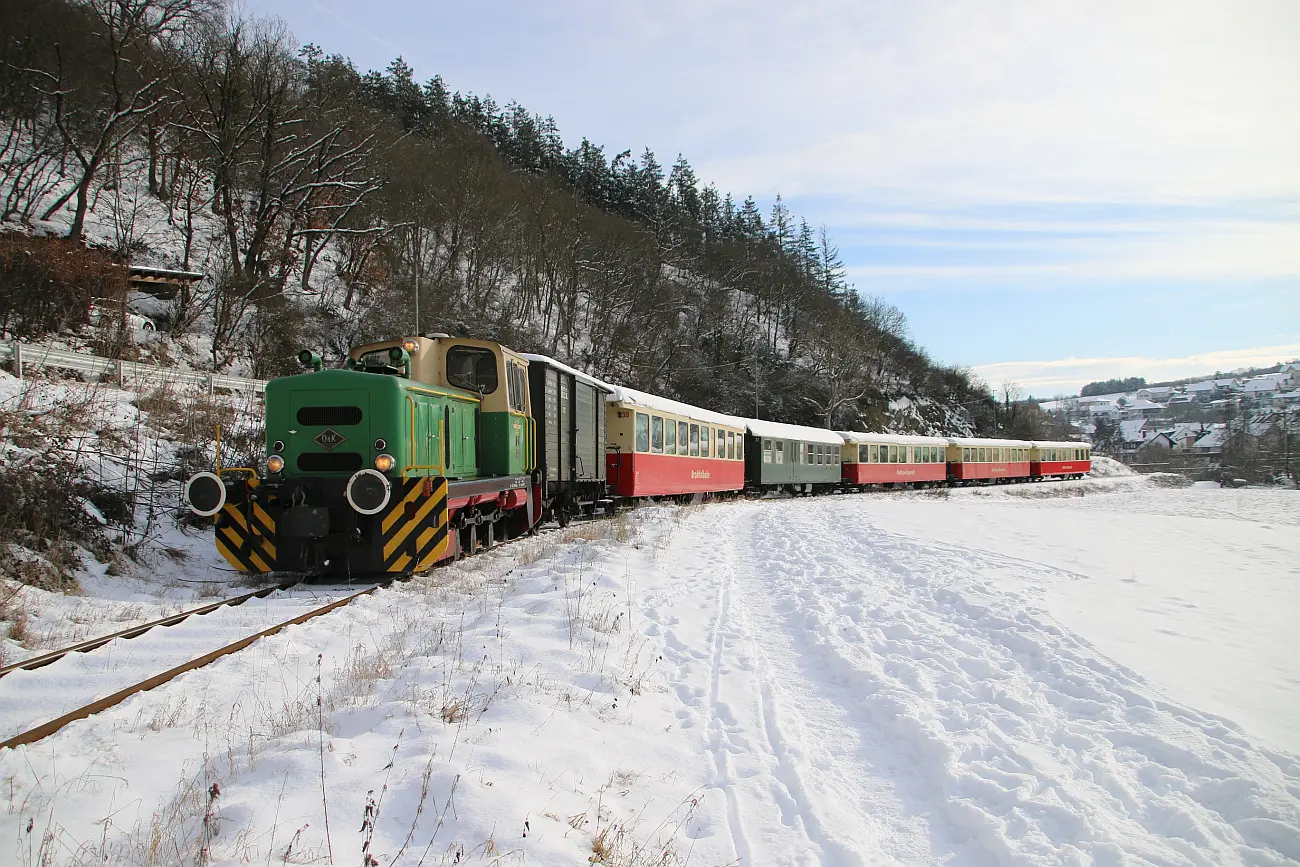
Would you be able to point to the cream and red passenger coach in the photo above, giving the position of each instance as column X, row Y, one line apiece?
column 893, row 459
column 1065, row 459
column 659, row 447
column 993, row 460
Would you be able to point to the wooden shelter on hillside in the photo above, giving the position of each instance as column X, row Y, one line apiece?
column 163, row 283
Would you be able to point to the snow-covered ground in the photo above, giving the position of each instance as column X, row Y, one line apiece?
column 1016, row 676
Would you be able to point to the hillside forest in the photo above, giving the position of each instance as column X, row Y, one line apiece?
column 329, row 206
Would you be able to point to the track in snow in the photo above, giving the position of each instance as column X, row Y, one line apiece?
column 867, row 702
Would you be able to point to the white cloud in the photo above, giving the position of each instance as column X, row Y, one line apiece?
column 1045, row 379
column 1050, row 101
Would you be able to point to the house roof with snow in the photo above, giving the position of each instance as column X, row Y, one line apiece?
column 1213, row 439
column 1204, row 385
column 1160, row 439
column 1262, row 384
column 1142, row 404
column 1131, row 430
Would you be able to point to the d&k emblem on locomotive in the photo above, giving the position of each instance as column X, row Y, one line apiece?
column 329, row 439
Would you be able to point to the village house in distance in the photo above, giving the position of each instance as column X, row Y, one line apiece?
column 1218, row 428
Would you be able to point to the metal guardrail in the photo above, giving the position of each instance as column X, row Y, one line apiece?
column 125, row 373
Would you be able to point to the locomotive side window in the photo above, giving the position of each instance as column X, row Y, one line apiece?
column 473, row 368
column 642, row 432
column 657, row 435
column 695, row 440
column 517, row 380
column 670, row 437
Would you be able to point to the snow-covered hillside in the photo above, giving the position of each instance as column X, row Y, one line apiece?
column 1099, row 672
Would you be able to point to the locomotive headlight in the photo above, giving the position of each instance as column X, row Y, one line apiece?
column 368, row 492
column 274, row 464
column 384, row 463
column 205, row 494
column 410, row 345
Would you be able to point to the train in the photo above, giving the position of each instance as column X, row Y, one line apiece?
column 423, row 449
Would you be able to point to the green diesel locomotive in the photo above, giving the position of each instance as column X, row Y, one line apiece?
column 420, row 449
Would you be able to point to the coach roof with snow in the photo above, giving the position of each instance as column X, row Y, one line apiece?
column 780, row 430
column 861, row 437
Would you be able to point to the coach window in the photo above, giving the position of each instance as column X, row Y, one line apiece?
column 670, row 437
column 642, row 432
column 683, row 437
column 780, row 451
column 704, row 442
column 864, row 454
column 695, row 440
column 657, row 435
column 767, row 451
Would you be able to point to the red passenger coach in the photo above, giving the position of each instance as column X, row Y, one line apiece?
column 987, row 460
column 1060, row 460
column 893, row 459
column 659, row 447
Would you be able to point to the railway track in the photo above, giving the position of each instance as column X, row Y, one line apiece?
column 35, row 733
column 44, row 659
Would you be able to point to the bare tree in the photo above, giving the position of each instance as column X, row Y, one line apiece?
column 95, row 119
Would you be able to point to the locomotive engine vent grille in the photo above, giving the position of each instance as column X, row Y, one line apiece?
column 326, row 416
column 329, row 462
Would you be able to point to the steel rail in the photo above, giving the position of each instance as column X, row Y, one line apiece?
column 33, row 662
column 46, row 729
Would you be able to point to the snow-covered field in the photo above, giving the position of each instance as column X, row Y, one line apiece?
column 1101, row 672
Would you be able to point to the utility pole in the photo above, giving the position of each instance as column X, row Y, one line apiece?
column 755, row 380
column 419, row 257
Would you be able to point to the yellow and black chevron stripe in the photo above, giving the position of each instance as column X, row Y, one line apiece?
column 414, row 531
column 246, row 536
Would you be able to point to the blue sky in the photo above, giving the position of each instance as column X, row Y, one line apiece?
column 1053, row 192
